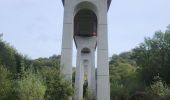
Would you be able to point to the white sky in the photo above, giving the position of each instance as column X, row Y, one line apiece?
column 34, row 27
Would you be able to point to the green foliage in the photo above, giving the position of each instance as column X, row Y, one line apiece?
column 5, row 83
column 11, row 59
column 57, row 87
column 7, row 56
column 131, row 73
column 160, row 90
column 31, row 79
column 153, row 57
column 141, row 96
column 124, row 77
column 118, row 91
column 31, row 87
column 53, row 61
column 124, row 57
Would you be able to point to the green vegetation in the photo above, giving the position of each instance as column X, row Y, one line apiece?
column 5, row 83
column 25, row 79
column 160, row 89
column 132, row 74
column 31, row 87
column 57, row 87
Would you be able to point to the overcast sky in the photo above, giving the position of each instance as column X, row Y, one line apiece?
column 34, row 27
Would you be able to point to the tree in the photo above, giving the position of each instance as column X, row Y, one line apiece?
column 30, row 87
column 57, row 87
column 153, row 57
column 7, row 56
column 5, row 83
column 53, row 61
column 159, row 89
column 124, row 78
column 124, row 57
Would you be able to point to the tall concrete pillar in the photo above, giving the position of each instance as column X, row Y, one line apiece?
column 67, row 43
column 79, row 78
column 86, row 22
column 103, row 83
column 92, row 75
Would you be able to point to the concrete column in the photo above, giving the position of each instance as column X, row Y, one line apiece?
column 79, row 78
column 67, row 44
column 90, row 75
column 93, row 74
column 103, row 84
column 89, row 61
column 66, row 53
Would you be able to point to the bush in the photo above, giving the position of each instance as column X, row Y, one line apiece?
column 118, row 91
column 140, row 96
column 124, row 80
column 57, row 87
column 30, row 87
column 160, row 90
column 5, row 83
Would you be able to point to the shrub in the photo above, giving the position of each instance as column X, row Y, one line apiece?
column 30, row 87
column 160, row 90
column 118, row 91
column 140, row 96
column 5, row 83
column 57, row 87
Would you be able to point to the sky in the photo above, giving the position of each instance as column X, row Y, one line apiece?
column 34, row 27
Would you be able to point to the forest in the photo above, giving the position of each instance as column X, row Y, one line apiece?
column 142, row 73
